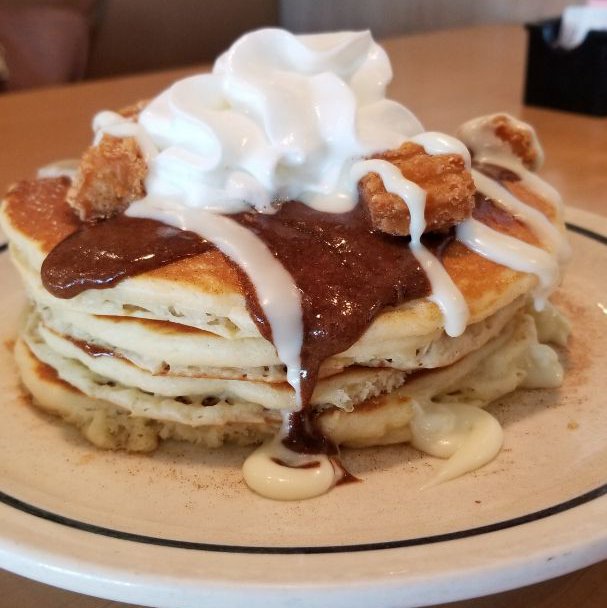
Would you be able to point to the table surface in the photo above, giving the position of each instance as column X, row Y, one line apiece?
column 445, row 78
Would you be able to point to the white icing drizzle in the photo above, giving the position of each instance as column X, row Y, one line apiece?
column 480, row 137
column 264, row 475
column 513, row 253
column 435, row 143
column 468, row 436
column 274, row 471
column 528, row 178
column 536, row 220
column 276, row 291
column 61, row 168
column 445, row 293
column 544, row 370
column 116, row 125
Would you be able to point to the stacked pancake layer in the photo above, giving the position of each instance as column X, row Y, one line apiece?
column 173, row 353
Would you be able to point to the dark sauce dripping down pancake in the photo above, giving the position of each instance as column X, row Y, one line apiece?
column 347, row 274
column 346, row 271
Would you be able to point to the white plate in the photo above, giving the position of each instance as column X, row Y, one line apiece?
column 180, row 529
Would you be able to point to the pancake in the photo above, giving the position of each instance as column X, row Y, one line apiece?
column 162, row 347
column 407, row 338
column 207, row 283
column 333, row 390
column 187, row 375
column 114, row 416
column 198, row 289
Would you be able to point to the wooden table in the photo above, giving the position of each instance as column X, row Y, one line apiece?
column 445, row 78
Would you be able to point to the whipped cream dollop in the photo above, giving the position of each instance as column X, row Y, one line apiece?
column 281, row 117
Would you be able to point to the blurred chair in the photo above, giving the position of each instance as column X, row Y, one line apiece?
column 43, row 43
column 137, row 35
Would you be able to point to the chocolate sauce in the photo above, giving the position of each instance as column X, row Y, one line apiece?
column 492, row 215
column 94, row 350
column 314, row 464
column 497, row 173
column 346, row 271
column 100, row 255
column 346, row 476
column 304, row 437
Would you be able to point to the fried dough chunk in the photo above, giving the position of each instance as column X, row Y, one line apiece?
column 132, row 112
column 498, row 134
column 448, row 184
column 521, row 139
column 109, row 178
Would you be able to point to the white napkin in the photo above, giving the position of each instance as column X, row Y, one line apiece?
column 577, row 21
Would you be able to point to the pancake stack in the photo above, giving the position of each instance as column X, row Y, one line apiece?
column 275, row 251
column 174, row 353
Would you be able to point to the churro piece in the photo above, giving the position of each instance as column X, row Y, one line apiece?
column 497, row 134
column 521, row 138
column 448, row 184
column 109, row 178
column 132, row 111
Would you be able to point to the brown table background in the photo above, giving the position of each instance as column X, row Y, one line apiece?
column 445, row 78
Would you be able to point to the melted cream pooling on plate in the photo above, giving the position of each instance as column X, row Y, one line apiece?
column 286, row 117
column 467, row 436
column 274, row 471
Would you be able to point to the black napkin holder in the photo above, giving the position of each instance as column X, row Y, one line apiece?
column 574, row 80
